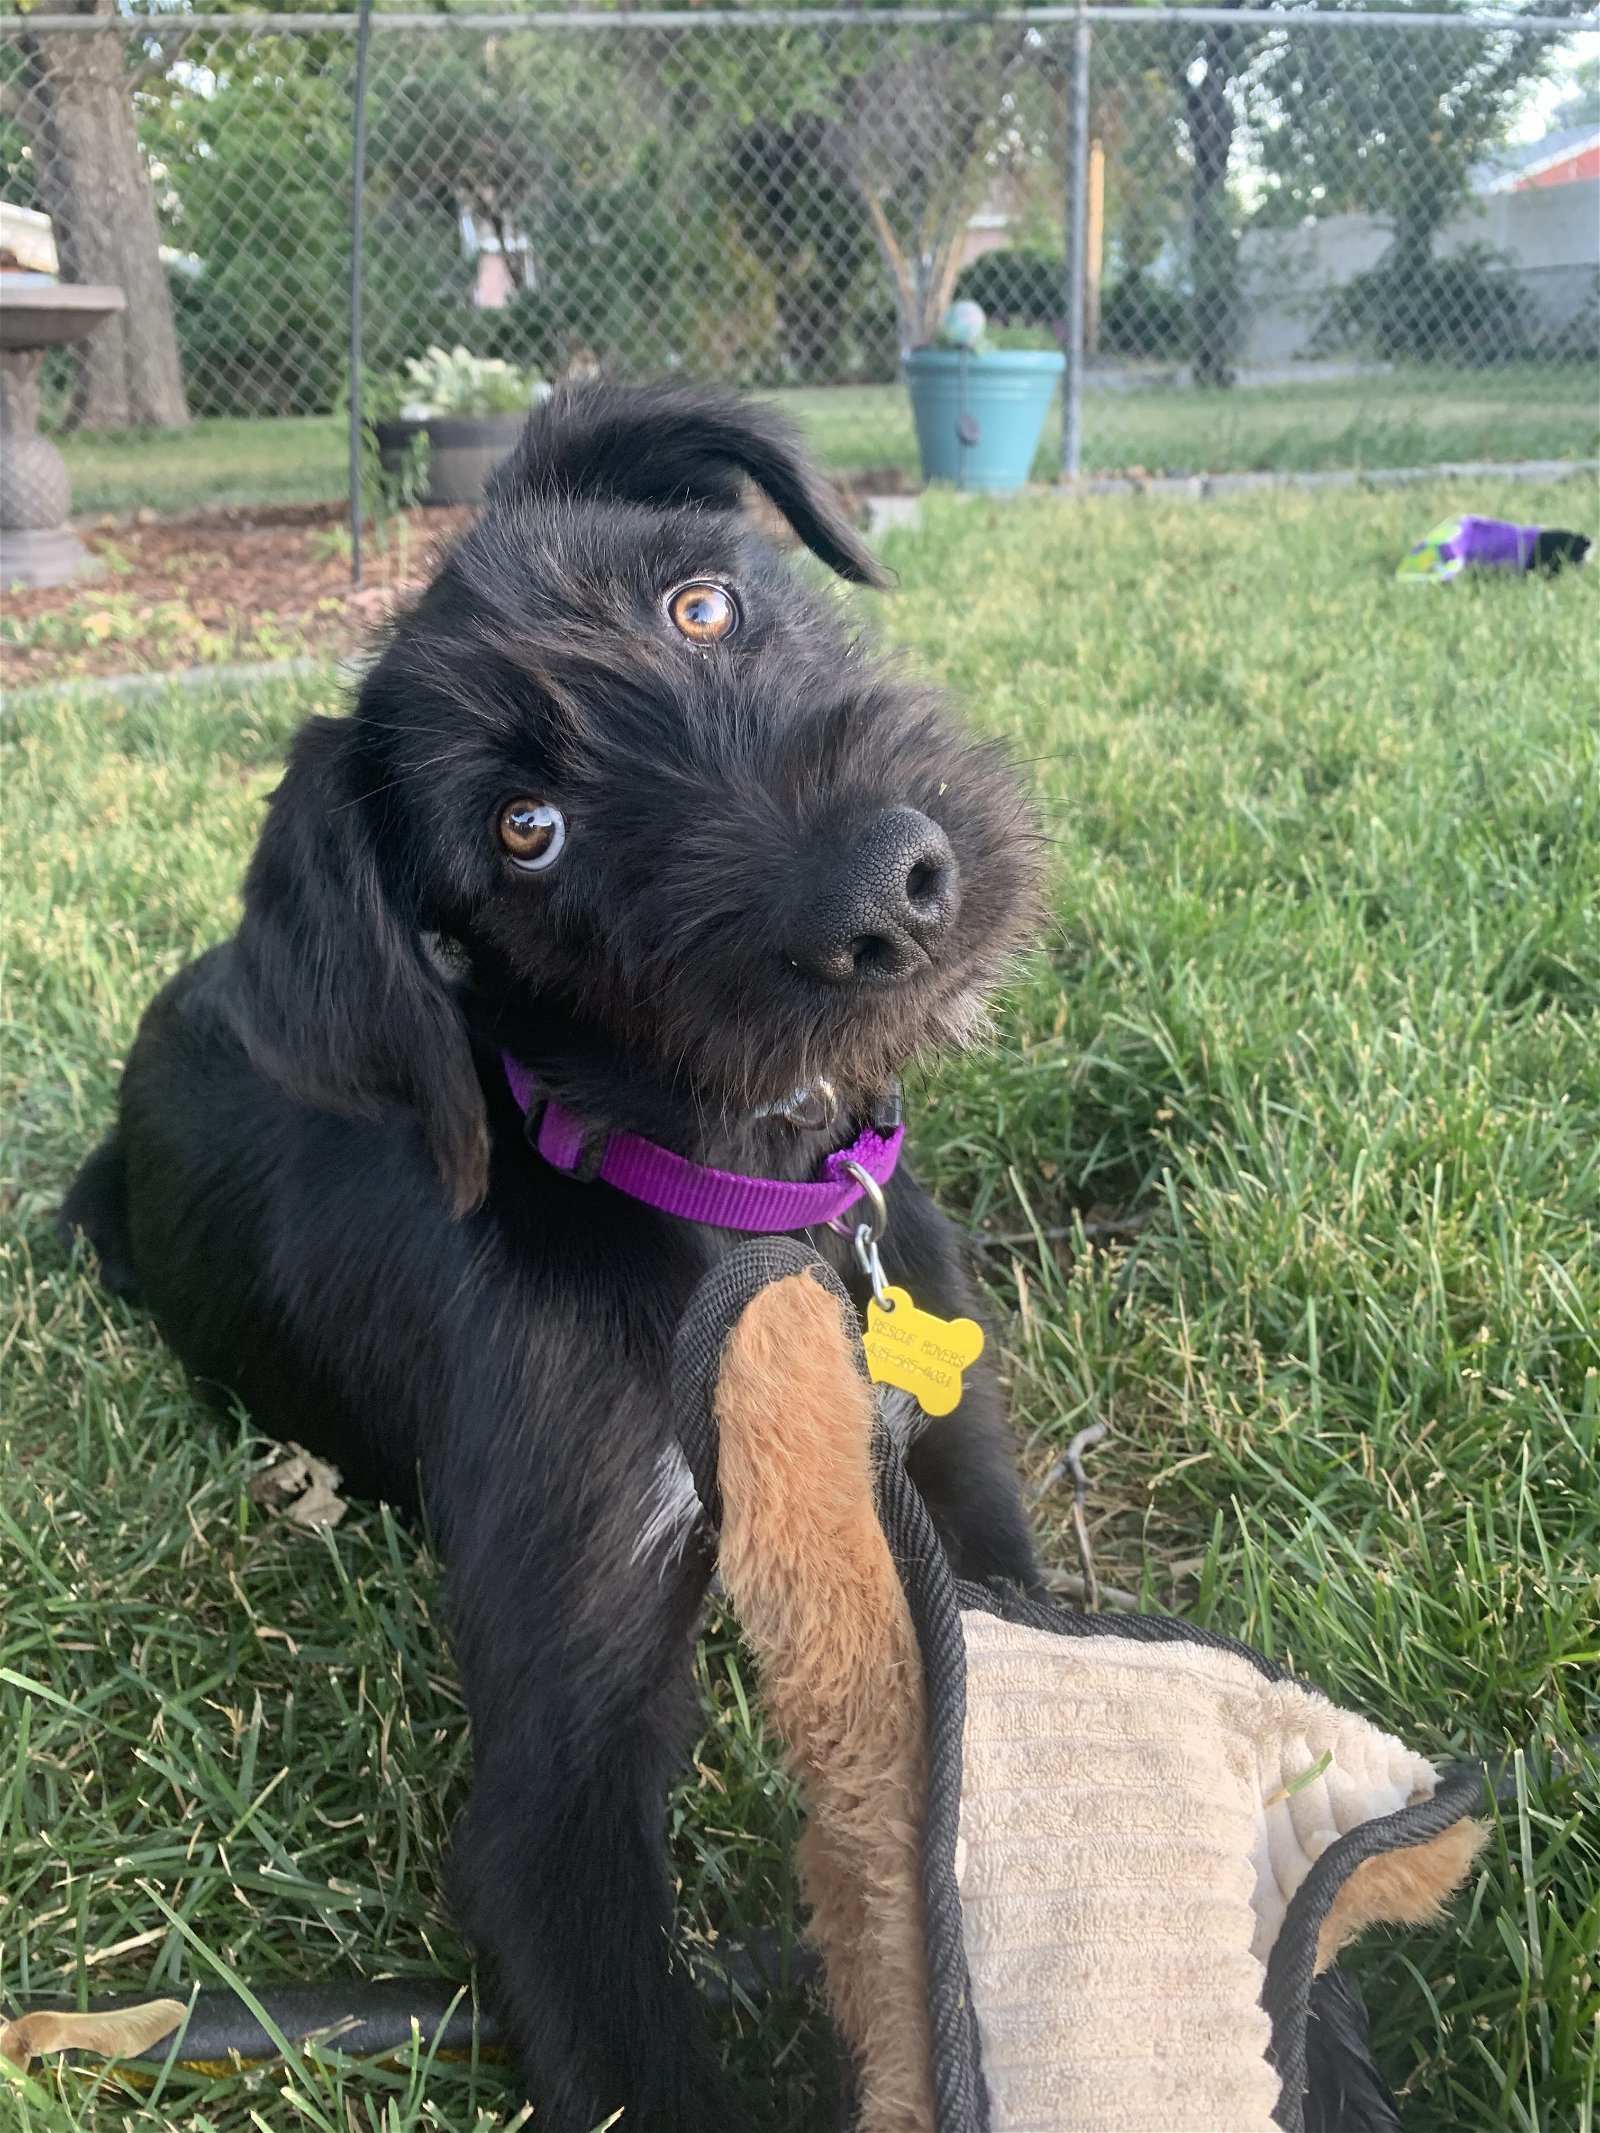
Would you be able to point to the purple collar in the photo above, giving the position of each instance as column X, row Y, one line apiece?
column 722, row 1198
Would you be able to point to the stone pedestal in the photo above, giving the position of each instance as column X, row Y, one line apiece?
column 37, row 546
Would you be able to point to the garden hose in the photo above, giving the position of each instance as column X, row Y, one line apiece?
column 218, row 2034
column 361, row 2018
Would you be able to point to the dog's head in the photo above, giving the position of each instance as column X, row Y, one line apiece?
column 653, row 785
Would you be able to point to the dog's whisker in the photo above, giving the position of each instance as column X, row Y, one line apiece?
column 394, row 784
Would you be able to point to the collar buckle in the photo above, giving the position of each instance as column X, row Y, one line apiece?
column 811, row 1109
column 566, row 1144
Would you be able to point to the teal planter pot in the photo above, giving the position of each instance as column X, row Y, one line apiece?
column 979, row 416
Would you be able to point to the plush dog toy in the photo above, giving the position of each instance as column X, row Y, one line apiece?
column 1069, row 1873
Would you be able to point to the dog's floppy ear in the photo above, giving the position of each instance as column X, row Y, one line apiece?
column 330, row 989
column 682, row 444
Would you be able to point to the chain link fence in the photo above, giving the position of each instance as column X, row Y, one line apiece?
column 1293, row 237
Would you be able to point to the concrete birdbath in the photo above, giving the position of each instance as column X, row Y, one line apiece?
column 37, row 547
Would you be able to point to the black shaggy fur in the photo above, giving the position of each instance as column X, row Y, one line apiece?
column 321, row 1187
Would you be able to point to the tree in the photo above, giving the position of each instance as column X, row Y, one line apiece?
column 596, row 172
column 1394, row 124
column 257, row 135
column 74, row 99
column 1581, row 104
column 1391, row 122
column 921, row 133
column 808, row 229
column 1135, row 113
column 1208, row 113
column 1202, row 65
column 658, row 201
column 1176, row 90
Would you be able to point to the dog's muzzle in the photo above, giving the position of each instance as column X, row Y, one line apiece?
column 891, row 898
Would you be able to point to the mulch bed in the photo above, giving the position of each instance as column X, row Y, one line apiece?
column 238, row 584
column 220, row 585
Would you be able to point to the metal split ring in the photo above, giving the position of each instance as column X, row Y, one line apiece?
column 866, row 1235
column 874, row 1195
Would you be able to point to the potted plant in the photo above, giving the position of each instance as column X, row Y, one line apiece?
column 979, row 410
column 469, row 408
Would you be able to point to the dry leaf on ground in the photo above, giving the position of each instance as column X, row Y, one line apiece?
column 301, row 1488
column 125, row 2034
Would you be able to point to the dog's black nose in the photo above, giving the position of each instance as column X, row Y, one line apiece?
column 893, row 892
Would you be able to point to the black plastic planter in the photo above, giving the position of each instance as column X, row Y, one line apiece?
column 463, row 450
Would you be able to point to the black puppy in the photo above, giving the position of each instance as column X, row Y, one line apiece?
column 623, row 801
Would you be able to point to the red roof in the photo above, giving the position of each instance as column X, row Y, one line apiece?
column 1582, row 160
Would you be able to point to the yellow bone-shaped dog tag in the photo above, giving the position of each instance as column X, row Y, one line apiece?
column 921, row 1354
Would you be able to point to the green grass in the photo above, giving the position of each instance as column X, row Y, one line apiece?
column 1407, row 419
column 1320, row 995
column 1410, row 418
column 222, row 459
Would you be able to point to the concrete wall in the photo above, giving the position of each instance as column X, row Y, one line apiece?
column 1551, row 232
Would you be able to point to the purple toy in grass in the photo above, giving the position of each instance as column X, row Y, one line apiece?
column 1490, row 544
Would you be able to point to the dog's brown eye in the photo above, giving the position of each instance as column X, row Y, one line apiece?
column 703, row 612
column 532, row 833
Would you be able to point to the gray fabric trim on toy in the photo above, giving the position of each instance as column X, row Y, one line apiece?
column 1069, row 1873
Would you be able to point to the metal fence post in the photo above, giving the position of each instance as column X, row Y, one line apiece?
column 358, row 183
column 1077, row 249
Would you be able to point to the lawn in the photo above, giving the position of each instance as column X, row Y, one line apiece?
column 1407, row 419
column 221, row 459
column 1319, row 1000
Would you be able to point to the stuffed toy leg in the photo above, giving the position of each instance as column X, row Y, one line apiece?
column 1069, row 1873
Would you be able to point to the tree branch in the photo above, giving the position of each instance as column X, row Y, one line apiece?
column 889, row 245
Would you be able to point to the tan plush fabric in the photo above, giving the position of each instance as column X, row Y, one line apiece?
column 1135, row 1816
column 1406, row 1888
column 805, row 1563
column 1128, row 1850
